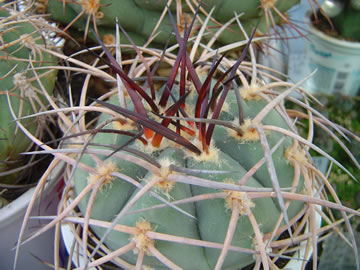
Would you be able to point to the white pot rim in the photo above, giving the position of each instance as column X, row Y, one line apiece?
column 339, row 42
column 17, row 207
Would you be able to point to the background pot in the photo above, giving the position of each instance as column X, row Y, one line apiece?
column 337, row 63
column 11, row 218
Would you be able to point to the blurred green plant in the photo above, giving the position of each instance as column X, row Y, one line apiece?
column 342, row 19
column 23, row 88
column 345, row 111
column 148, row 19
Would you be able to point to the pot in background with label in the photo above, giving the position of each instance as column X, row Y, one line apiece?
column 337, row 63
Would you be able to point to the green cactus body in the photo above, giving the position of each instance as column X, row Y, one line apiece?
column 210, row 211
column 114, row 193
column 165, row 220
column 169, row 221
column 248, row 152
column 212, row 216
column 140, row 17
column 203, row 174
column 172, row 180
column 110, row 192
column 252, row 149
column 18, row 44
column 250, row 9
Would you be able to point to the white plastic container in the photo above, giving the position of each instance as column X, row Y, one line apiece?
column 337, row 63
column 11, row 218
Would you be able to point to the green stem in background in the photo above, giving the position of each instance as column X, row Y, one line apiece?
column 19, row 54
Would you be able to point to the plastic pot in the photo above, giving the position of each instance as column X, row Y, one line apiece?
column 337, row 63
column 11, row 218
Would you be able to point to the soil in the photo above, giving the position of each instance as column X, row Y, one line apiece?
column 324, row 25
column 30, row 175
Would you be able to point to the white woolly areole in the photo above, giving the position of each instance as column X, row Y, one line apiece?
column 250, row 93
column 27, row 40
column 104, row 172
column 164, row 185
column 211, row 156
column 149, row 148
column 268, row 4
column 90, row 6
column 244, row 204
column 20, row 80
column 140, row 239
column 296, row 155
column 109, row 39
column 249, row 133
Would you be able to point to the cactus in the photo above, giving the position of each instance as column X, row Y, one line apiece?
column 20, row 90
column 140, row 17
column 202, row 169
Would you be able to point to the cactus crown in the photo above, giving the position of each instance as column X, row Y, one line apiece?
column 208, row 104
